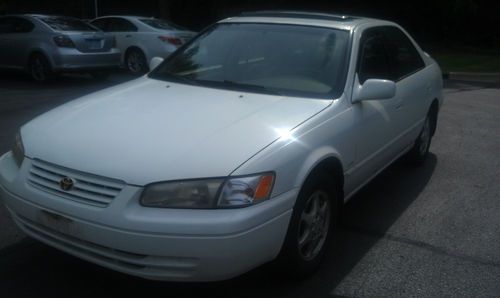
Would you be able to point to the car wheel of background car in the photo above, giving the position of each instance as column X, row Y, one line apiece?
column 99, row 75
column 136, row 62
column 418, row 154
column 311, row 227
column 39, row 68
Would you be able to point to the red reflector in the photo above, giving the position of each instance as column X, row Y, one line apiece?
column 172, row 40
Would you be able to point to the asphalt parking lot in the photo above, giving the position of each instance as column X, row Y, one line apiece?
column 428, row 231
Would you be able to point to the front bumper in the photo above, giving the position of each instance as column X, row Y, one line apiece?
column 160, row 244
column 69, row 60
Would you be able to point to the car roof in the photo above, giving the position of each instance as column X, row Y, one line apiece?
column 126, row 17
column 322, row 19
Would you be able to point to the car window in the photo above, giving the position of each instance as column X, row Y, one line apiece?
column 286, row 59
column 15, row 25
column 101, row 24
column 373, row 61
column 403, row 55
column 162, row 24
column 120, row 25
column 66, row 24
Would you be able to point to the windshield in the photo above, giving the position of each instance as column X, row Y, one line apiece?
column 162, row 24
column 290, row 60
column 67, row 24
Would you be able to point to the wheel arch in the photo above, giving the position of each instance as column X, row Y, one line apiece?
column 329, row 164
column 39, row 51
column 135, row 47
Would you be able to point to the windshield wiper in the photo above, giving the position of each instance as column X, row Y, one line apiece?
column 251, row 87
column 174, row 78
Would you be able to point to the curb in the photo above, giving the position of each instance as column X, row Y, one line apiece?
column 473, row 76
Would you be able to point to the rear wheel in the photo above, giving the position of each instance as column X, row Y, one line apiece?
column 135, row 61
column 311, row 227
column 418, row 154
column 39, row 68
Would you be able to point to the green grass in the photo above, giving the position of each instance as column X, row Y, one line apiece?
column 467, row 60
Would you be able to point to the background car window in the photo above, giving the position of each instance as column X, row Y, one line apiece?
column 373, row 61
column 67, row 24
column 120, row 25
column 162, row 24
column 101, row 24
column 403, row 55
column 15, row 25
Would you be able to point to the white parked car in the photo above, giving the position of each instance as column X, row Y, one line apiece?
column 237, row 150
column 141, row 38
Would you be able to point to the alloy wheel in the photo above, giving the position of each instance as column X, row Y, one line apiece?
column 314, row 225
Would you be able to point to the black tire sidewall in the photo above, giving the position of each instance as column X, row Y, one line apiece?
column 142, row 57
column 46, row 67
column 414, row 156
column 290, row 258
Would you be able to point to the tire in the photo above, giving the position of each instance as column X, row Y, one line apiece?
column 309, row 233
column 39, row 68
column 99, row 75
column 135, row 62
column 418, row 154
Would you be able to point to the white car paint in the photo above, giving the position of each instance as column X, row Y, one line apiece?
column 145, row 38
column 146, row 131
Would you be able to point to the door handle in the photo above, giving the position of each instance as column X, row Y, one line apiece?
column 128, row 35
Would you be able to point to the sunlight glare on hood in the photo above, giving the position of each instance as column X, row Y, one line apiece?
column 285, row 134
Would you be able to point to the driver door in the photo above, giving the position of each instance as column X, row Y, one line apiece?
column 375, row 125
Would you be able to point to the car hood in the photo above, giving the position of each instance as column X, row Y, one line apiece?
column 147, row 130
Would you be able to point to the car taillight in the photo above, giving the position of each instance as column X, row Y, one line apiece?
column 63, row 41
column 171, row 40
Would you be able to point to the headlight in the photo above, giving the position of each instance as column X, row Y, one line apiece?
column 18, row 150
column 209, row 193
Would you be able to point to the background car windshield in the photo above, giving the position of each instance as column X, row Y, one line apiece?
column 67, row 24
column 162, row 24
column 286, row 59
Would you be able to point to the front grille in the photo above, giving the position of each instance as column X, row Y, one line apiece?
column 87, row 188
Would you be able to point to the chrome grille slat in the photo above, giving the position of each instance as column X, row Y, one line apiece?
column 78, row 175
column 95, row 190
column 88, row 189
column 74, row 195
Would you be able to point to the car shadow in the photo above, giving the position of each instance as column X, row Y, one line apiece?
column 31, row 268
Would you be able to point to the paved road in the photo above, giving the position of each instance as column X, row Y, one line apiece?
column 431, row 231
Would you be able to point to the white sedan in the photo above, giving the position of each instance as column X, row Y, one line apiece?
column 237, row 150
column 140, row 38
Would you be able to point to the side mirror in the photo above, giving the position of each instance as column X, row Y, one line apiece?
column 155, row 62
column 374, row 89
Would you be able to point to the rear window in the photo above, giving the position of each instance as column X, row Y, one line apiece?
column 162, row 24
column 67, row 24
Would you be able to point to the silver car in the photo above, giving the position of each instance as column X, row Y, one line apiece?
column 44, row 45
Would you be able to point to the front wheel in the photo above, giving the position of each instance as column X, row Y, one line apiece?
column 311, row 227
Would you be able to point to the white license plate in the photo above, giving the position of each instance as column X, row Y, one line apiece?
column 58, row 223
column 94, row 44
